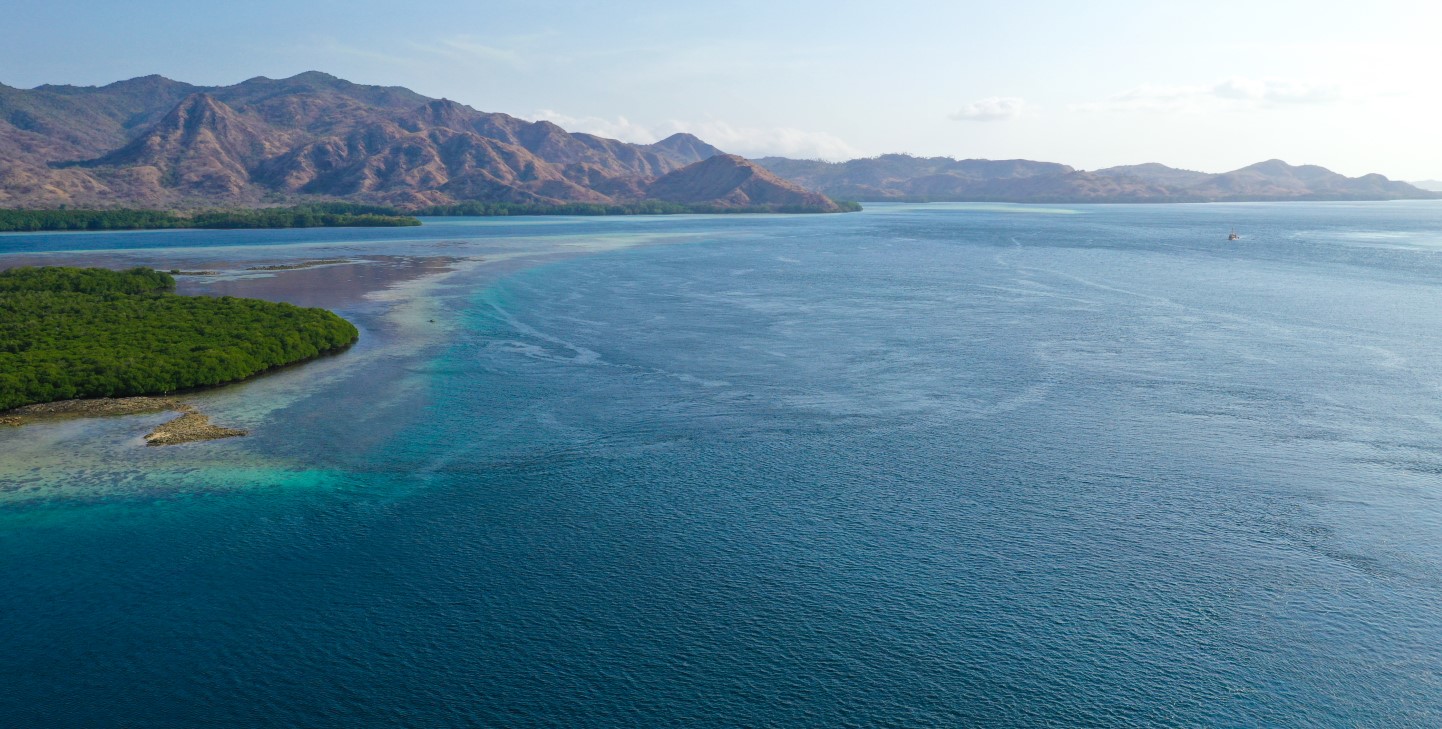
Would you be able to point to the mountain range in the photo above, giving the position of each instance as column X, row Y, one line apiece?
column 157, row 143
column 903, row 177
column 154, row 142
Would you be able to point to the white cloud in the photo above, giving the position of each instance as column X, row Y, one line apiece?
column 764, row 141
column 993, row 108
column 1229, row 94
column 1277, row 91
column 619, row 128
column 743, row 140
column 465, row 48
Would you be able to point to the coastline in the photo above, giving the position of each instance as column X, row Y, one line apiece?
column 401, row 291
column 191, row 425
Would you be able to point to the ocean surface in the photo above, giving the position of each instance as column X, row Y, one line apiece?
column 923, row 465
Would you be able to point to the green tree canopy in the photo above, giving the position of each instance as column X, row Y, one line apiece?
column 70, row 333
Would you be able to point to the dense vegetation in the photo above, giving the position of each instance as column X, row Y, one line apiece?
column 644, row 207
column 318, row 215
column 70, row 333
column 346, row 214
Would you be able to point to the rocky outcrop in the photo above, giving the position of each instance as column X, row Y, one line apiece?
column 189, row 427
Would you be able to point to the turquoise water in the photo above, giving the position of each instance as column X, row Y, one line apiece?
column 921, row 465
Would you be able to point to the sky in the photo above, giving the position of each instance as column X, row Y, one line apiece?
column 1209, row 86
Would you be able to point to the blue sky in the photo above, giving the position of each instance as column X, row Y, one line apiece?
column 1209, row 86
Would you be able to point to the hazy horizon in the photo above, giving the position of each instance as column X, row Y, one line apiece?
column 1114, row 83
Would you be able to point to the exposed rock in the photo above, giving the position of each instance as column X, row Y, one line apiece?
column 97, row 407
column 187, row 428
column 190, row 426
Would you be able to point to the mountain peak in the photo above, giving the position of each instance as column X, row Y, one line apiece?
column 149, row 81
column 1149, row 167
column 304, row 81
column 1271, row 166
column 685, row 148
column 317, row 77
column 312, row 81
column 681, row 138
column 730, row 180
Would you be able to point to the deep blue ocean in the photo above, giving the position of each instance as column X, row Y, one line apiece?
column 923, row 465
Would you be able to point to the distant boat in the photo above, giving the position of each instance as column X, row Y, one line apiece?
column 1234, row 235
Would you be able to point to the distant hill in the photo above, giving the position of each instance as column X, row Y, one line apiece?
column 156, row 143
column 734, row 181
column 1434, row 185
column 903, row 177
column 153, row 142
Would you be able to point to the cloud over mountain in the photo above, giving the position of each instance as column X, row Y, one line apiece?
column 993, row 108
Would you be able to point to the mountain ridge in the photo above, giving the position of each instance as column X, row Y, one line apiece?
column 900, row 177
column 154, row 142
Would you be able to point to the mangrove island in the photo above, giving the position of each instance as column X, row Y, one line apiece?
column 69, row 333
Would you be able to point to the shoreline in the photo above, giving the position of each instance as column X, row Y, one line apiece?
column 191, row 426
column 402, row 292
column 398, row 298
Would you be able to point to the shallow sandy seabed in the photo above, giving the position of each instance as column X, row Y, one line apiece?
column 399, row 297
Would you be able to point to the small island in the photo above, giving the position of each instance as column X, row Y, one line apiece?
column 71, row 334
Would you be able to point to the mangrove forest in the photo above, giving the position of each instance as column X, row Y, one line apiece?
column 70, row 333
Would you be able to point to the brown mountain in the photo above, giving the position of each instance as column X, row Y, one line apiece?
column 729, row 180
column 684, row 148
column 154, row 142
column 903, row 177
column 201, row 145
